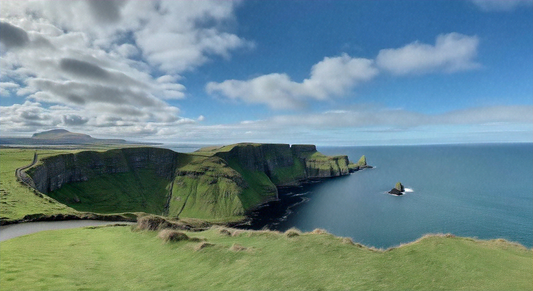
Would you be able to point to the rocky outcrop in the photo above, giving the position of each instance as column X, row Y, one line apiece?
column 398, row 190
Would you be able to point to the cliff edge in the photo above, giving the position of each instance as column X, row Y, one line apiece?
column 212, row 183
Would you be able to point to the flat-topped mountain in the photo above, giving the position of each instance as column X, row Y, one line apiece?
column 212, row 183
column 61, row 134
column 60, row 137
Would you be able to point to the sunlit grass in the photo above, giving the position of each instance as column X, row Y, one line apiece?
column 116, row 258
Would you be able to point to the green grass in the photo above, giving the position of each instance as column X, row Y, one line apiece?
column 260, row 187
column 18, row 200
column 115, row 258
column 206, row 188
column 285, row 175
column 137, row 191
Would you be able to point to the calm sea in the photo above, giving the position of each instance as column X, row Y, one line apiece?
column 483, row 191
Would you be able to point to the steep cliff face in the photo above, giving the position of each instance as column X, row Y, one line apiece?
column 53, row 172
column 320, row 166
column 285, row 164
column 215, row 183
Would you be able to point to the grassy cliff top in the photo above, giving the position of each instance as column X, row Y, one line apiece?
column 117, row 258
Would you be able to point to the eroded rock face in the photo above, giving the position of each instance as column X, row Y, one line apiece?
column 54, row 172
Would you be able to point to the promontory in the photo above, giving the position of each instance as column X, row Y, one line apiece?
column 220, row 183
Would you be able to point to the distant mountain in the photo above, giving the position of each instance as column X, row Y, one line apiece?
column 59, row 137
column 61, row 134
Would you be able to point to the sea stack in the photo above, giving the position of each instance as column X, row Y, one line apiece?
column 397, row 190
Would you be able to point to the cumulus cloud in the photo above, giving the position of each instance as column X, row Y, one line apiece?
column 452, row 52
column 331, row 77
column 94, row 61
column 336, row 76
column 500, row 5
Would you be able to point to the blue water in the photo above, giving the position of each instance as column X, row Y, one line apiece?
column 483, row 191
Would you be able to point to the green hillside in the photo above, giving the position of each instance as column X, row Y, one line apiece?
column 116, row 258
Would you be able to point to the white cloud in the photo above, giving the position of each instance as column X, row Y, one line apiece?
column 96, row 61
column 33, row 116
column 331, row 77
column 7, row 87
column 452, row 52
column 501, row 5
column 350, row 126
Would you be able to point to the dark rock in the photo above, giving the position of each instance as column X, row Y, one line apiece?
column 395, row 191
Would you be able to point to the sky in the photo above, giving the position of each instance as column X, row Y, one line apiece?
column 336, row 73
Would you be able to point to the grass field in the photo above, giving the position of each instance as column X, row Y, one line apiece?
column 117, row 258
column 17, row 200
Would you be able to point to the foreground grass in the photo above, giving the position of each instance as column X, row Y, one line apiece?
column 115, row 258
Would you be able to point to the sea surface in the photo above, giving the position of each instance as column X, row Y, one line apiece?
column 476, row 190
column 483, row 191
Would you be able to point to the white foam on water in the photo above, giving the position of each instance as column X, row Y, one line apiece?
column 408, row 190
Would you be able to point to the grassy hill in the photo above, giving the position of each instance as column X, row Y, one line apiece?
column 117, row 258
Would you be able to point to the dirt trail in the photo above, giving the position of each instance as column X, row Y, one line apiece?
column 22, row 176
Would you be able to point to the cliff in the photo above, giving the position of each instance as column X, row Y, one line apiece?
column 53, row 172
column 214, row 183
column 284, row 164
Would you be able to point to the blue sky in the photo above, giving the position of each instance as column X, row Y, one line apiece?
column 323, row 72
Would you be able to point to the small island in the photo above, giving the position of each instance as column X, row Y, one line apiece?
column 398, row 190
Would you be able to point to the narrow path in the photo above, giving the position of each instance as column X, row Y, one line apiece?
column 23, row 177
column 20, row 229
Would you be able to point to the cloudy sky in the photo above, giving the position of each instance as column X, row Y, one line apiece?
column 323, row 72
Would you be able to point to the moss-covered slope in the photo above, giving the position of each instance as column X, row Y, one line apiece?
column 214, row 183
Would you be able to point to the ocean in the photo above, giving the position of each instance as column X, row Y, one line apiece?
column 483, row 191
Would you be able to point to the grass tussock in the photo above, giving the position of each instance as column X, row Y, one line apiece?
column 292, row 232
column 170, row 235
column 152, row 222
column 224, row 231
column 203, row 245
column 238, row 248
column 228, row 231
column 319, row 231
column 347, row 241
